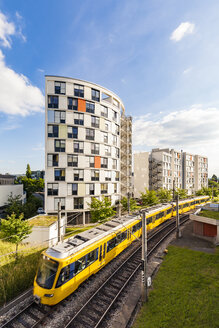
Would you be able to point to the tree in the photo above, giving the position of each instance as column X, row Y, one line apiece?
column 183, row 193
column 164, row 195
column 16, row 229
column 149, row 198
column 101, row 209
column 31, row 185
column 14, row 205
column 214, row 178
column 132, row 204
column 28, row 171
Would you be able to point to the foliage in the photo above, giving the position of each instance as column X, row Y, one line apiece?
column 132, row 204
column 185, row 292
column 15, row 228
column 214, row 178
column 31, row 185
column 14, row 205
column 101, row 209
column 164, row 195
column 28, row 209
column 149, row 198
column 28, row 171
column 183, row 193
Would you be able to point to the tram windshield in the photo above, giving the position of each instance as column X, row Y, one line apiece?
column 46, row 272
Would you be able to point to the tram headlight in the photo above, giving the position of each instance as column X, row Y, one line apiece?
column 48, row 295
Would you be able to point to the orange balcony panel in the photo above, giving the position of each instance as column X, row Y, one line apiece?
column 81, row 105
column 97, row 162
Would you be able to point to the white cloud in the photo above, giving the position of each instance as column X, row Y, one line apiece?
column 182, row 30
column 6, row 29
column 187, row 71
column 17, row 95
column 194, row 130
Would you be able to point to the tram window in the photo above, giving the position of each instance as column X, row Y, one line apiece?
column 91, row 257
column 149, row 220
column 64, row 276
column 80, row 265
column 169, row 210
column 124, row 235
column 100, row 256
column 134, row 228
column 104, row 250
column 111, row 244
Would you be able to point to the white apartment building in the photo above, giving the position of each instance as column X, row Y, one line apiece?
column 164, row 167
column 82, row 145
column 201, row 172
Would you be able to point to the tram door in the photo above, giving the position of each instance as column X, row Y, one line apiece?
column 102, row 254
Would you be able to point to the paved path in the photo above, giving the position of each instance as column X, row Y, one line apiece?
column 188, row 240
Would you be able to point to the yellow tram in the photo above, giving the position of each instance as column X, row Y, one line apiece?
column 64, row 267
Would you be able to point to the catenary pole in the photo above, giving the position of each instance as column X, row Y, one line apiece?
column 144, row 259
column 59, row 221
column 178, row 232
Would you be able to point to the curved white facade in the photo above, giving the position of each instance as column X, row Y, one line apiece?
column 82, row 144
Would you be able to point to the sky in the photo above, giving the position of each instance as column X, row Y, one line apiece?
column 160, row 57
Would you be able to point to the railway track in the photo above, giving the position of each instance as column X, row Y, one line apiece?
column 95, row 310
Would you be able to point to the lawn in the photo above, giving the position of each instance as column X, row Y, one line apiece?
column 209, row 214
column 185, row 292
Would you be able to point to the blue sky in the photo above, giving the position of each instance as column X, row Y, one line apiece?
column 160, row 57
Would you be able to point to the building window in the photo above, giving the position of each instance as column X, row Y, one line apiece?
column 104, row 162
column 107, row 126
column 90, row 107
column 53, row 102
column 114, row 164
column 78, row 203
column 107, row 175
column 53, row 131
column 95, row 122
column 107, row 150
column 117, row 176
column 56, row 201
column 72, row 160
column 59, row 116
column 72, row 189
column 91, row 161
column 72, row 103
column 59, row 174
column 95, row 148
column 52, row 189
column 115, row 116
column 78, row 119
column 103, row 188
column 117, row 129
column 115, row 188
column 78, row 175
column 105, row 137
column 79, row 90
column 95, row 175
column 72, row 132
column 79, row 147
column 60, row 87
column 95, row 95
column 117, row 152
column 90, row 189
column 90, row 134
column 104, row 111
column 52, row 160
column 60, row 145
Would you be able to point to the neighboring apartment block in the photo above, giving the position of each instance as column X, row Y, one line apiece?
column 195, row 172
column 83, row 141
column 161, row 168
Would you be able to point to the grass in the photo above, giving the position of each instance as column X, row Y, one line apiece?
column 185, row 292
column 209, row 214
column 43, row 220
column 16, row 276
